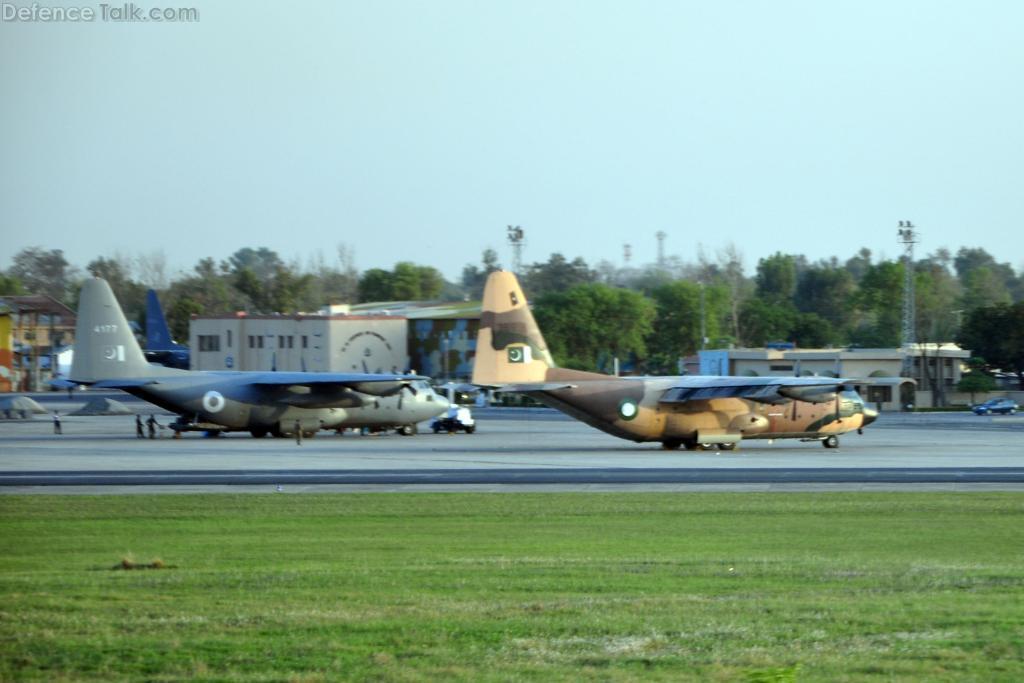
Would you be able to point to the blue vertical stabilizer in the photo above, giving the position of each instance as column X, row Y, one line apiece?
column 158, row 336
column 160, row 348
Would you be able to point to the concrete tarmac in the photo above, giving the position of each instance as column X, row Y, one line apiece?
column 513, row 450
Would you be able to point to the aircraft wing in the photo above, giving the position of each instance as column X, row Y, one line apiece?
column 761, row 389
column 530, row 387
column 122, row 383
column 374, row 385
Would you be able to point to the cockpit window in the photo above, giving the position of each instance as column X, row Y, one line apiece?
column 850, row 404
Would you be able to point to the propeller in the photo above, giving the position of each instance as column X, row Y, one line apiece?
column 407, row 386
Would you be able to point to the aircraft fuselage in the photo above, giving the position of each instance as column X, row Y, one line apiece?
column 220, row 404
column 631, row 409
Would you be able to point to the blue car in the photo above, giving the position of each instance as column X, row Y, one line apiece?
column 1006, row 406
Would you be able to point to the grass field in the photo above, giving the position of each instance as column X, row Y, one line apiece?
column 513, row 586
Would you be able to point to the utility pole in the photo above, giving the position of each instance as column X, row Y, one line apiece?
column 703, row 320
column 517, row 241
column 908, row 237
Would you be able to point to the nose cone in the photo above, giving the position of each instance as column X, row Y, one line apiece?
column 439, row 405
column 870, row 415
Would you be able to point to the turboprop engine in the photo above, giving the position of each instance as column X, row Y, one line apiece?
column 812, row 394
column 748, row 424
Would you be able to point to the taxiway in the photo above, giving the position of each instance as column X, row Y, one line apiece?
column 513, row 449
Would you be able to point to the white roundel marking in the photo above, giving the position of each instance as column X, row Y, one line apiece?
column 628, row 409
column 213, row 402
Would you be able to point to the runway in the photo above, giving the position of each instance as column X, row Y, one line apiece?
column 513, row 450
column 604, row 475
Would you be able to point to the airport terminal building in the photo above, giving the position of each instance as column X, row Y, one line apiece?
column 936, row 370
column 435, row 340
column 314, row 343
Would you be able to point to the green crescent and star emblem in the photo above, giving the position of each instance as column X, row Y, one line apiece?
column 517, row 354
column 628, row 409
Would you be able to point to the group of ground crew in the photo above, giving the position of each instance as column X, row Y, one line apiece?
column 151, row 425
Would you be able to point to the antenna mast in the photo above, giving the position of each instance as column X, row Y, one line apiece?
column 661, row 248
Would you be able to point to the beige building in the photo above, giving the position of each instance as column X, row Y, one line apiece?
column 35, row 328
column 314, row 343
column 937, row 368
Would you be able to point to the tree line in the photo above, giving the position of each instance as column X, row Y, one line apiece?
column 652, row 314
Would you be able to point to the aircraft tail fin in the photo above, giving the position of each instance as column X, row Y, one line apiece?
column 510, row 347
column 105, row 347
column 158, row 335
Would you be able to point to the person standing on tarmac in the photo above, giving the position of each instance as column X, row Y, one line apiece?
column 56, row 422
column 138, row 427
column 152, row 424
column 298, row 433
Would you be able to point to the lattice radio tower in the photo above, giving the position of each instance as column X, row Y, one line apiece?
column 908, row 238
column 627, row 254
column 517, row 241
column 661, row 248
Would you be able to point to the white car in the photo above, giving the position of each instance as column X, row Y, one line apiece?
column 457, row 418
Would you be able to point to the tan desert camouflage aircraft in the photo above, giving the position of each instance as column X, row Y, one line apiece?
column 696, row 412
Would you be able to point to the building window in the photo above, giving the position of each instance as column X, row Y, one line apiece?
column 209, row 342
column 786, row 368
column 291, row 341
column 305, row 342
column 259, row 341
column 280, row 341
column 879, row 394
column 229, row 339
column 252, row 342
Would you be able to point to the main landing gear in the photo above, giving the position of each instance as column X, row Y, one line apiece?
column 674, row 444
column 830, row 441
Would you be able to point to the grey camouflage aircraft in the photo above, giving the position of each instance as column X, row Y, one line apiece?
column 108, row 356
column 696, row 412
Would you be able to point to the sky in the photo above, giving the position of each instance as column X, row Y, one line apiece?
column 417, row 131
